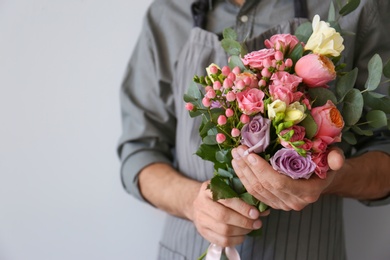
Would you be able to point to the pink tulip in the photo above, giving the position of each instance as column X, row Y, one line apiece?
column 315, row 70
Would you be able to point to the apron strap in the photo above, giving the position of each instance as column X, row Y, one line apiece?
column 200, row 8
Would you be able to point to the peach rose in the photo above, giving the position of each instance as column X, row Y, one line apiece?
column 315, row 70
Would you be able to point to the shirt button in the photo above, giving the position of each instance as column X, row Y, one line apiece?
column 244, row 18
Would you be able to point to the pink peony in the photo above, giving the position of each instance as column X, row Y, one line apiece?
column 255, row 59
column 329, row 121
column 315, row 70
column 282, row 42
column 250, row 101
column 286, row 79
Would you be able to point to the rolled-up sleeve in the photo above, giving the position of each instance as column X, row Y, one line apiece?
column 147, row 110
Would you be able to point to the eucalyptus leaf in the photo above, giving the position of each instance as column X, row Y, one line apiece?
column 210, row 140
column 225, row 173
column 359, row 131
column 236, row 61
column 231, row 47
column 221, row 157
column 248, row 198
column 238, row 186
column 332, row 12
column 346, row 83
column 375, row 68
column 296, row 53
column 304, row 31
column 376, row 118
column 386, row 69
column 321, row 96
column 371, row 100
column 349, row 137
column 349, row 7
column 310, row 126
column 220, row 189
column 353, row 107
column 229, row 33
column 204, row 128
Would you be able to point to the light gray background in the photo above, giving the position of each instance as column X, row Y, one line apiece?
column 61, row 64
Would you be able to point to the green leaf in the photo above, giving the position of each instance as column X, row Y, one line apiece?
column 225, row 173
column 332, row 12
column 310, row 126
column 263, row 207
column 359, row 131
column 376, row 118
column 220, row 189
column 346, row 83
column 304, row 31
column 210, row 140
column 375, row 68
column 231, row 47
column 386, row 69
column 349, row 7
column 371, row 100
column 221, row 157
column 248, row 198
column 229, row 33
column 238, row 186
column 353, row 107
column 207, row 152
column 349, row 137
column 297, row 53
column 204, row 128
column 321, row 96
column 236, row 61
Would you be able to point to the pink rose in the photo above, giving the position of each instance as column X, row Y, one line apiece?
column 255, row 59
column 282, row 93
column 319, row 146
column 322, row 166
column 299, row 135
column 329, row 122
column 250, row 101
column 286, row 79
column 315, row 70
column 282, row 42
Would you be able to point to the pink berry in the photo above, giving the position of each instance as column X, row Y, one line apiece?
column 240, row 84
column 235, row 132
column 279, row 55
column 220, row 138
column 247, row 81
column 206, row 102
column 230, row 96
column 289, row 63
column 214, row 70
column 222, row 120
column 262, row 83
column 265, row 73
column 227, row 83
column 244, row 119
column 236, row 70
column 229, row 112
column 210, row 94
column 225, row 70
column 232, row 76
column 189, row 106
column 217, row 85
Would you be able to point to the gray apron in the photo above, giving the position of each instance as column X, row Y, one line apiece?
column 315, row 233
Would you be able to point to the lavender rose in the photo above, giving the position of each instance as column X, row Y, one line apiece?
column 289, row 162
column 256, row 134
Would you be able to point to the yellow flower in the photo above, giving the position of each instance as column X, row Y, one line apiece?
column 278, row 106
column 324, row 40
column 212, row 70
column 295, row 112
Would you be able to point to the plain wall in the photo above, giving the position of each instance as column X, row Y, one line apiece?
column 61, row 65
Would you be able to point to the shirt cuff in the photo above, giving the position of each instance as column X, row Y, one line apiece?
column 132, row 166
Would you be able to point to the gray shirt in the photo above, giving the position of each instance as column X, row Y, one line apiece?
column 154, row 127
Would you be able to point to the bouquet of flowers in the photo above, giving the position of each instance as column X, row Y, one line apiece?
column 277, row 101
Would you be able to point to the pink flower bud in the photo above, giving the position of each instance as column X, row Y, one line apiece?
column 240, row 85
column 262, row 83
column 244, row 118
column 213, row 70
column 222, row 120
column 236, row 70
column 229, row 112
column 208, row 88
column 232, row 76
column 206, row 102
column 315, row 70
column 289, row 63
column 220, row 138
column 189, row 106
column 265, row 73
column 217, row 85
column 230, row 96
column 235, row 132
column 279, row 55
column 227, row 83
column 267, row 63
column 210, row 94
column 225, row 70
column 247, row 81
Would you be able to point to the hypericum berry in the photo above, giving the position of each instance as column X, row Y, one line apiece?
column 222, row 120
column 225, row 71
column 289, row 63
column 236, row 70
column 244, row 119
column 235, row 132
column 227, row 83
column 207, row 88
column 231, row 76
column 230, row 96
column 267, row 63
column 211, row 94
column 206, row 102
column 229, row 112
column 265, row 73
column 217, row 85
column 220, row 138
column 189, row 106
column 247, row 81
column 279, row 55
column 262, row 83
column 213, row 69
column 240, row 84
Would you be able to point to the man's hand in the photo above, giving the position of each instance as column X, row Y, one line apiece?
column 277, row 190
column 224, row 222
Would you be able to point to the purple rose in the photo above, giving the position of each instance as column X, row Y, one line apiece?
column 256, row 134
column 289, row 162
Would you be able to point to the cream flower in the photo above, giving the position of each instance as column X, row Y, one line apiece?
column 324, row 40
column 210, row 71
column 295, row 112
column 278, row 106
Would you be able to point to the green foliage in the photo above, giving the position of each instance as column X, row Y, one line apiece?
column 346, row 83
column 221, row 189
column 374, row 73
column 376, row 118
column 304, row 31
column 310, row 125
column 236, row 61
column 321, row 96
column 386, row 69
column 349, row 7
column 353, row 107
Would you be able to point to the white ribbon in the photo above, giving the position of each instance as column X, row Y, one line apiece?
column 214, row 252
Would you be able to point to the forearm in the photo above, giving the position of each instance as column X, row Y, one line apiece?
column 366, row 177
column 168, row 190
